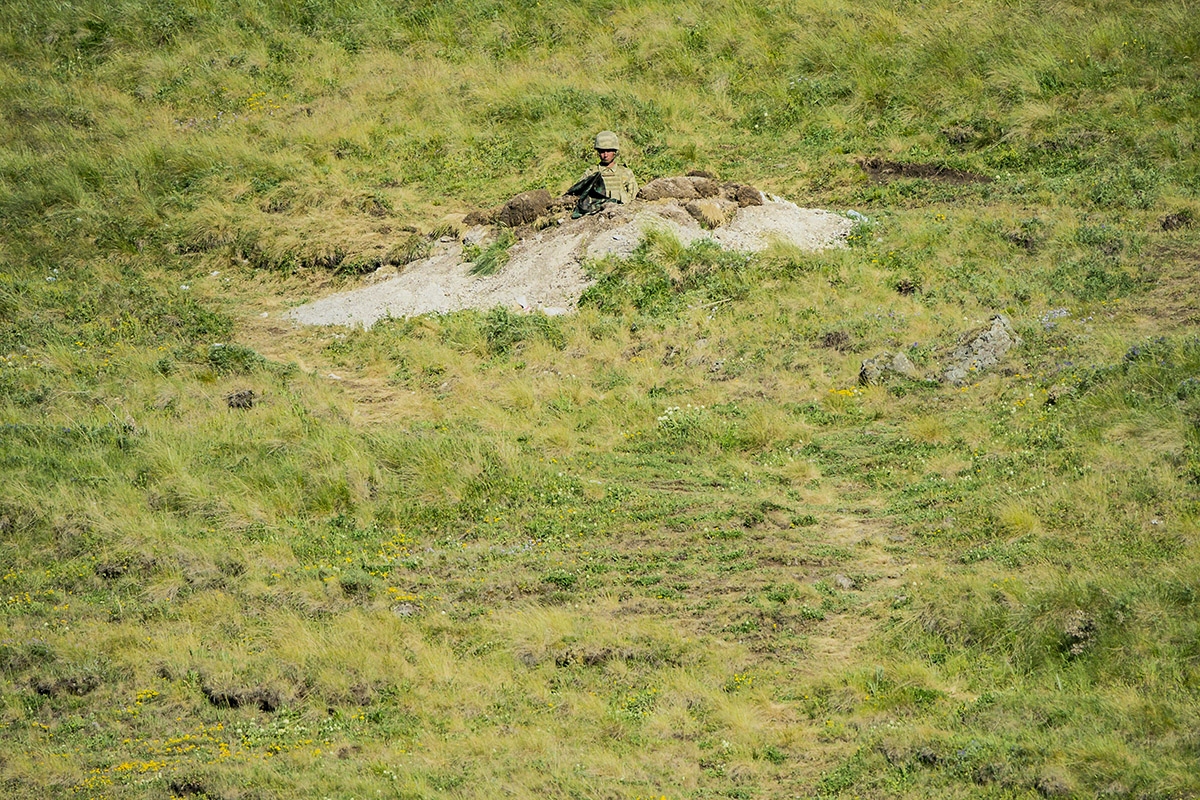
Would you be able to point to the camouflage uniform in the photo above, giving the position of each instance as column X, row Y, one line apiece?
column 603, row 184
column 619, row 182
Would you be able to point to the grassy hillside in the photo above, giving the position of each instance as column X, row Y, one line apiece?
column 666, row 546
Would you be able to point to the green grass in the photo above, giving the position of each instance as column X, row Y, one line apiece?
column 666, row 546
column 491, row 259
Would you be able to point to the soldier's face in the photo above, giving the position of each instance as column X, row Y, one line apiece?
column 606, row 157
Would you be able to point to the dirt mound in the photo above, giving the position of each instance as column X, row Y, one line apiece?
column 882, row 170
column 700, row 186
column 690, row 187
column 545, row 267
column 524, row 209
column 743, row 194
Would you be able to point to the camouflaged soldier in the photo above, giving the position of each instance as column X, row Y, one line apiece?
column 606, row 183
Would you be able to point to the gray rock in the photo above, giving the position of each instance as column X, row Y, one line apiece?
column 1050, row 318
column 884, row 366
column 980, row 350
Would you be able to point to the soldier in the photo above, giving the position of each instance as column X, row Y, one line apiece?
column 606, row 183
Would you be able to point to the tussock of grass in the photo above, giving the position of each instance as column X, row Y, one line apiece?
column 491, row 259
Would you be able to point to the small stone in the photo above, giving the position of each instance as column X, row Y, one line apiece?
column 1080, row 632
column 842, row 582
column 885, row 366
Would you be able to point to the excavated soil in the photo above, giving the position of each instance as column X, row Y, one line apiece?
column 883, row 171
column 545, row 268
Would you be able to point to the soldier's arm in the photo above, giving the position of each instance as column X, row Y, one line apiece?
column 584, row 184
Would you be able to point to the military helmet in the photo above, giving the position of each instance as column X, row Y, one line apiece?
column 607, row 140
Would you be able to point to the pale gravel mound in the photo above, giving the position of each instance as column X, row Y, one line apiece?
column 545, row 269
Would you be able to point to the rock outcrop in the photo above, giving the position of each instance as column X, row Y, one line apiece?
column 979, row 351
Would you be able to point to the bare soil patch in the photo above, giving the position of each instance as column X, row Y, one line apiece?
column 883, row 171
column 1180, row 219
column 545, row 269
column 1174, row 297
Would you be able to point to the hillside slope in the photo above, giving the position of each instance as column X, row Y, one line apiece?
column 666, row 545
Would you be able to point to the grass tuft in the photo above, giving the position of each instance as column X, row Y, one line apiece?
column 490, row 259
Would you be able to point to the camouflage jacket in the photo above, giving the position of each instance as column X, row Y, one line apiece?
column 619, row 182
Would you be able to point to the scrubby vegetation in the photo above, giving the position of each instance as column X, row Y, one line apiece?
column 666, row 546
